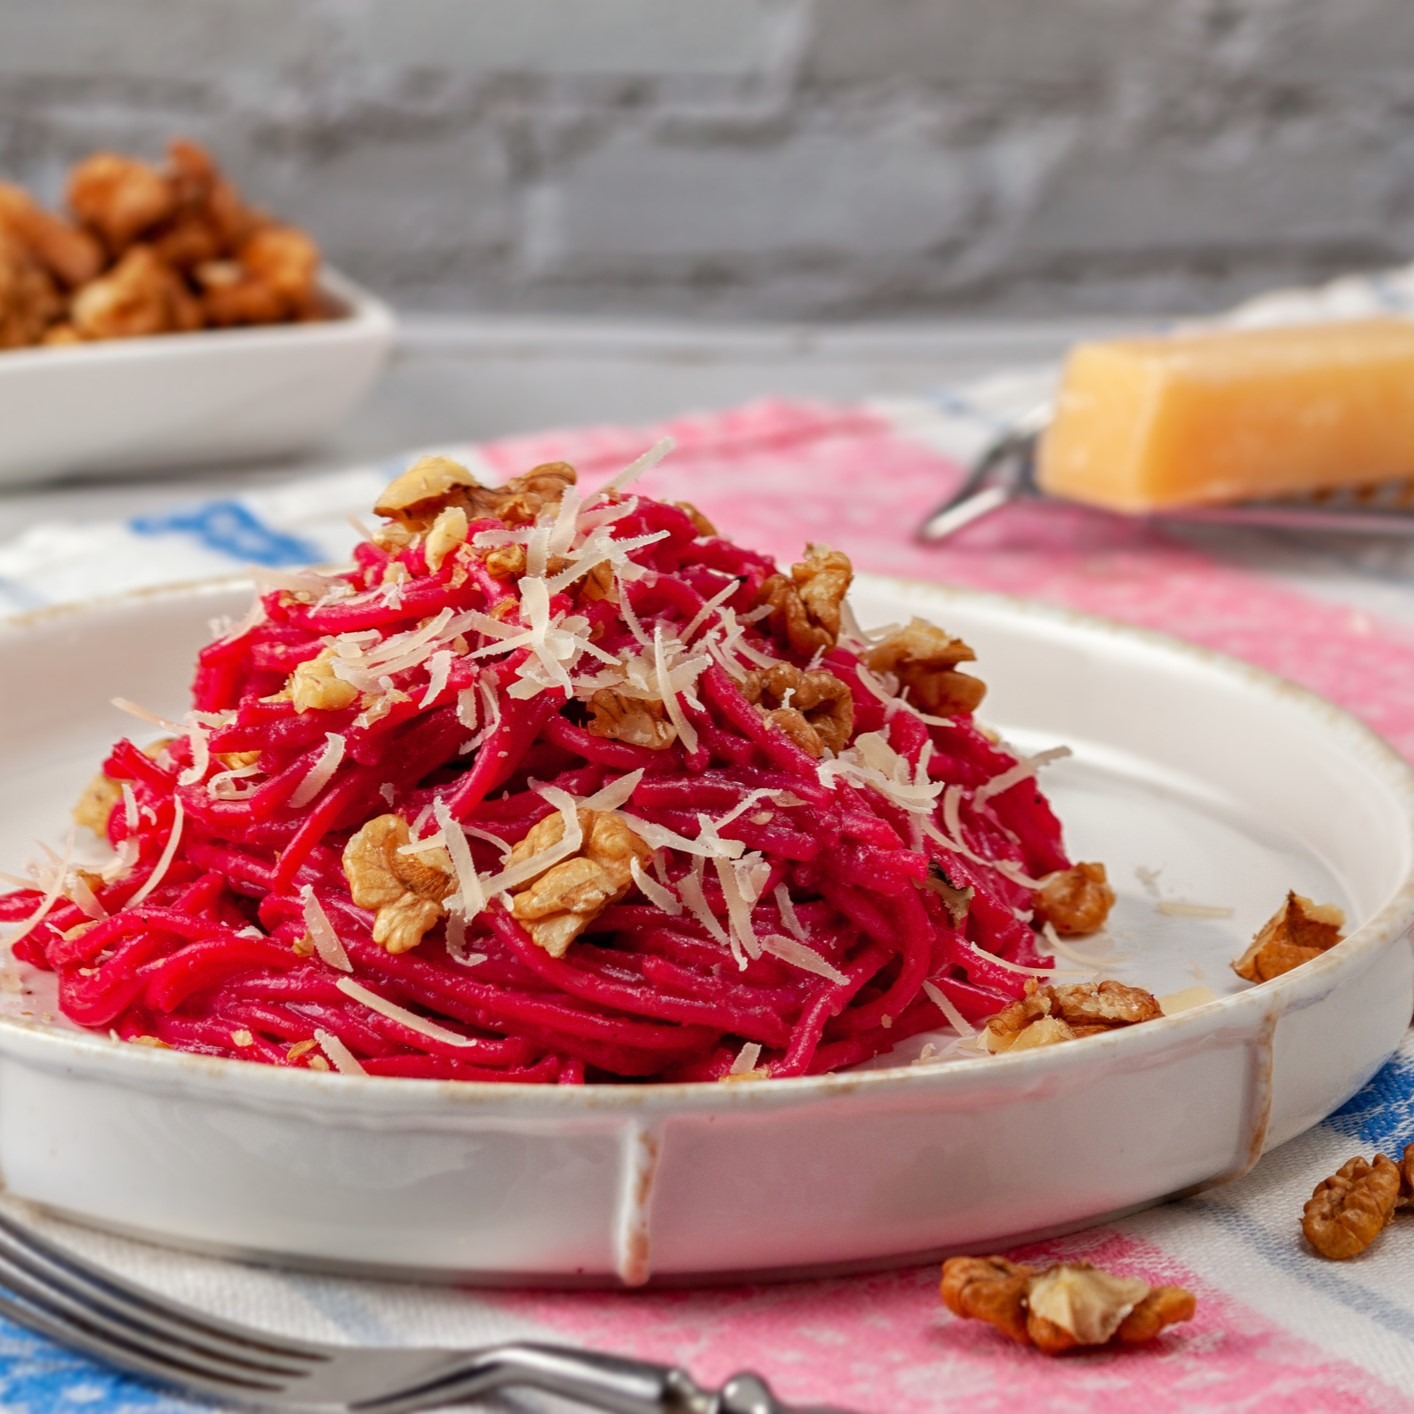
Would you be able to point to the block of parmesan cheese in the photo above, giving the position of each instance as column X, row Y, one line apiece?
column 1232, row 415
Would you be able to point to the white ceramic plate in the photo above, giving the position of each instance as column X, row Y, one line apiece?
column 1233, row 784
column 216, row 396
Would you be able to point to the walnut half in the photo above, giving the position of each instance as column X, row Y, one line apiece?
column 561, row 902
column 1068, row 1305
column 805, row 606
column 1298, row 931
column 435, row 484
column 404, row 890
column 925, row 661
column 1350, row 1209
column 639, row 721
column 1048, row 1013
column 814, row 709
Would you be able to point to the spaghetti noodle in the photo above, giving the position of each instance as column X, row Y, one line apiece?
column 554, row 788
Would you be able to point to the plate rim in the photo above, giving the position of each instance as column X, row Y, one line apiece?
column 326, row 1095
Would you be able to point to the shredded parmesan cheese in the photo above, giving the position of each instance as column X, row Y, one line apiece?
column 1022, row 771
column 746, row 1059
column 801, row 955
column 401, row 1015
column 956, row 1019
column 342, row 1059
column 439, row 668
column 321, row 932
column 1181, row 908
column 470, row 898
column 634, row 470
column 656, row 894
column 319, row 774
column 164, row 861
column 143, row 715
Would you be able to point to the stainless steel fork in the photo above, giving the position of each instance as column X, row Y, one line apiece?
column 54, row 1292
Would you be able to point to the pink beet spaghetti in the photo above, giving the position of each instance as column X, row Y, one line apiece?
column 550, row 787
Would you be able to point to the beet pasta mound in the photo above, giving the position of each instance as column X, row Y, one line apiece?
column 554, row 787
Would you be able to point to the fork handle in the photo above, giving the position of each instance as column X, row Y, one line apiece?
column 608, row 1382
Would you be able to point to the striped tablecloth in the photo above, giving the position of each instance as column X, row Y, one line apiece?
column 1276, row 1329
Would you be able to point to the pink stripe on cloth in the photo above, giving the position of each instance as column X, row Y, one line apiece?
column 778, row 474
column 883, row 1344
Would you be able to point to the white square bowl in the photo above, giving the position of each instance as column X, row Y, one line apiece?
column 221, row 395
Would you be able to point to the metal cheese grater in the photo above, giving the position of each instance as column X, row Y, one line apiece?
column 1006, row 472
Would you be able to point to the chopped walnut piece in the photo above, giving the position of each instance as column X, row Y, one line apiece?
column 1349, row 1210
column 814, row 709
column 559, row 904
column 96, row 804
column 990, row 1289
column 447, row 532
column 434, row 484
column 405, row 890
column 638, row 721
column 137, row 297
column 119, row 197
column 521, row 499
column 925, row 661
column 805, row 608
column 70, row 255
column 202, row 190
column 29, row 302
column 1406, row 1176
column 1066, row 1012
column 286, row 261
column 314, row 688
column 417, row 496
column 700, row 523
column 1075, row 901
column 1297, row 932
column 956, row 900
column 1068, row 1305
column 505, row 561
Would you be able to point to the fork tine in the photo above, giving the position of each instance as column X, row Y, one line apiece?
column 32, row 1280
column 148, row 1363
column 221, row 1339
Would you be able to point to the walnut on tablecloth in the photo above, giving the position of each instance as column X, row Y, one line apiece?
column 1349, row 1210
column 1066, row 1306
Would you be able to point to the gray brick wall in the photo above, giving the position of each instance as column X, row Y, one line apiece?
column 782, row 158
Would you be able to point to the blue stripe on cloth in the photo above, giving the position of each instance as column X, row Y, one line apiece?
column 37, row 1377
column 957, row 404
column 1382, row 1114
column 1283, row 1251
column 231, row 529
